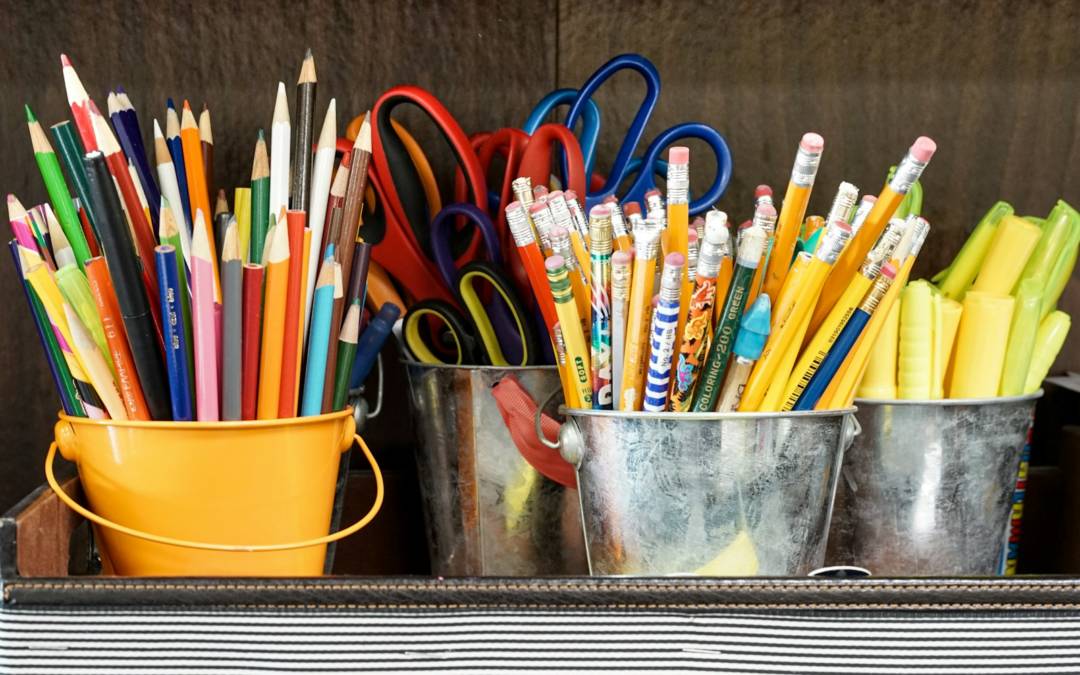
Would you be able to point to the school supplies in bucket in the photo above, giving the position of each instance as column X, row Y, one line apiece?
column 496, row 501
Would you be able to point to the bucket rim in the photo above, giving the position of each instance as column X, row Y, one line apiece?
column 704, row 417
column 206, row 426
column 449, row 366
column 951, row 402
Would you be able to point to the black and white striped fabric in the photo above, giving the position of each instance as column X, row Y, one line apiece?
column 502, row 641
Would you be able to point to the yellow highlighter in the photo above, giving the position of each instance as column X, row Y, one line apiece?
column 879, row 381
column 1013, row 243
column 822, row 341
column 1048, row 342
column 951, row 310
column 913, row 374
column 980, row 345
column 789, row 331
column 1025, row 324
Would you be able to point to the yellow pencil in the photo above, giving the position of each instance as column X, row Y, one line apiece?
column 792, row 211
column 678, row 227
column 577, row 353
column 94, row 365
column 273, row 333
column 635, row 358
column 242, row 206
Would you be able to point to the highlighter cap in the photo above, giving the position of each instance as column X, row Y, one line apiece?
column 754, row 329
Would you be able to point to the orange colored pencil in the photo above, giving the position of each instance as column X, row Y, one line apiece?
column 196, row 183
column 101, row 288
column 290, row 363
column 273, row 333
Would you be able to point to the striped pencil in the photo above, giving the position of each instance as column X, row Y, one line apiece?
column 665, row 325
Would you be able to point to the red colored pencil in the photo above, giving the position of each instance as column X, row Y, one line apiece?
column 290, row 366
column 252, row 324
column 79, row 101
column 88, row 232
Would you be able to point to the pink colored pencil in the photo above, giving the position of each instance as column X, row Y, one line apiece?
column 204, row 328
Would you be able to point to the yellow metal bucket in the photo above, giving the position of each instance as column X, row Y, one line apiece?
column 210, row 499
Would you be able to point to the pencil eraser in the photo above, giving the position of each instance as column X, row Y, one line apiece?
column 555, row 195
column 691, row 235
column 842, row 225
column 766, row 210
column 513, row 207
column 610, row 199
column 600, row 211
column 923, row 149
column 537, row 207
column 679, row 154
column 652, row 192
column 557, row 232
column 762, row 191
column 621, row 258
column 889, row 270
column 554, row 262
column 869, row 198
column 569, row 194
column 675, row 259
column 631, row 207
column 812, row 142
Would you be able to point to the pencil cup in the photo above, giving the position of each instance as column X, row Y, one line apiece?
column 927, row 488
column 489, row 510
column 709, row 494
column 210, row 499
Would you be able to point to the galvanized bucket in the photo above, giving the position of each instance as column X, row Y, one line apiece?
column 927, row 488
column 488, row 511
column 711, row 494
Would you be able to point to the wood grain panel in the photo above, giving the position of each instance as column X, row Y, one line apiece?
column 480, row 58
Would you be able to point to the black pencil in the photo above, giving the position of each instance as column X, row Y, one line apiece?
column 119, row 250
column 303, row 135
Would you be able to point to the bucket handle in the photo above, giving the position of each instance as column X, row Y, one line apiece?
column 232, row 548
column 554, row 445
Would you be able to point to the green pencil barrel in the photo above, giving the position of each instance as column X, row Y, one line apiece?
column 70, row 150
column 57, row 188
column 260, row 217
column 711, row 379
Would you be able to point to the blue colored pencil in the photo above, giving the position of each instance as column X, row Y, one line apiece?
column 176, row 150
column 58, row 369
column 371, row 342
column 172, row 319
column 318, row 343
column 837, row 353
column 126, row 124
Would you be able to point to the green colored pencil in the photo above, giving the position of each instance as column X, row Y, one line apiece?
column 260, row 199
column 350, row 331
column 49, row 166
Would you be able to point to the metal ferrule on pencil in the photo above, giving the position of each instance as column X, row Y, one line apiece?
column 560, row 212
column 906, row 174
column 518, row 221
column 560, row 245
column 522, row 188
column 864, row 209
column 646, row 240
column 678, row 183
column 843, row 206
column 600, row 231
column 671, row 283
column 922, row 230
column 883, row 248
column 837, row 234
column 543, row 221
column 620, row 282
column 875, row 294
column 805, row 168
column 653, row 201
column 766, row 219
column 578, row 215
column 618, row 221
column 711, row 255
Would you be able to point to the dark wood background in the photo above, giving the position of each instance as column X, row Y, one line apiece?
column 994, row 82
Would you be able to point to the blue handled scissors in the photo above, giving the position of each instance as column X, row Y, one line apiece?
column 648, row 165
column 496, row 333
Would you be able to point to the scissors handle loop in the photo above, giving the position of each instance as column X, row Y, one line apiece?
column 646, row 180
column 536, row 162
column 442, row 231
column 590, row 114
column 485, row 331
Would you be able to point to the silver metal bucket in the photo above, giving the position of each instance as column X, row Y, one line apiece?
column 488, row 511
column 927, row 488
column 713, row 494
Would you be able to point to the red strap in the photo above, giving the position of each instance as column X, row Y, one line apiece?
column 518, row 411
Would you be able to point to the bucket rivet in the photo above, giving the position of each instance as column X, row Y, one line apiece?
column 571, row 446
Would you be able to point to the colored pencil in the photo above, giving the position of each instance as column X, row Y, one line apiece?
column 232, row 330
column 222, row 217
column 20, row 227
column 206, row 144
column 335, row 327
column 125, row 122
column 79, row 102
column 169, row 234
column 170, row 192
column 273, row 331
column 300, row 185
column 70, row 150
column 249, row 341
column 322, row 169
column 242, row 209
column 600, row 245
column 101, row 288
column 203, row 328
column 176, row 151
column 76, row 291
column 280, row 147
column 315, row 369
column 354, row 198
column 49, row 167
column 290, row 365
column 260, row 200
column 88, row 230
column 143, row 333
column 350, row 331
column 65, row 387
column 176, row 350
column 94, row 366
column 335, row 202
column 196, row 183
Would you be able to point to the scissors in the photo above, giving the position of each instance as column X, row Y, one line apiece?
column 399, row 228
column 643, row 171
column 496, row 333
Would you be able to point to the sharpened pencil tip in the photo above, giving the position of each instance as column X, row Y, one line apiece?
column 307, row 54
column 187, row 106
column 262, row 135
column 29, row 113
column 65, row 62
column 169, row 104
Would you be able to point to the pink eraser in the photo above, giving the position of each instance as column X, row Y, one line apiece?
column 923, row 149
column 539, row 190
column 631, row 207
column 889, row 270
column 621, row 258
column 679, row 154
column 745, row 224
column 767, row 210
column 554, row 262
column 600, row 211
column 555, row 195
column 513, row 206
column 652, row 192
column 691, row 235
column 697, row 219
column 558, row 232
column 842, row 226
column 656, row 300
column 762, row 191
column 610, row 199
column 537, row 207
column 812, row 142
column 570, row 194
column 675, row 259
column 869, row 198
